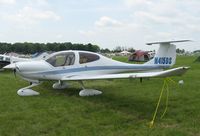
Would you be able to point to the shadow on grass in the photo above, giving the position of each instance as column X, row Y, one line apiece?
column 140, row 107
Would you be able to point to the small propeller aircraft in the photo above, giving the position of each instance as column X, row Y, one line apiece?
column 73, row 65
column 6, row 59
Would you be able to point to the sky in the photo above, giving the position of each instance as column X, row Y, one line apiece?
column 106, row 23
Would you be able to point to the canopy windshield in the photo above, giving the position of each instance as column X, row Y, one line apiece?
column 63, row 59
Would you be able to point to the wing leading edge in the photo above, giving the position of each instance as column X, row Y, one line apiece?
column 171, row 72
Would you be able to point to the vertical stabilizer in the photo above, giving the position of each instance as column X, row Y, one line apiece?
column 166, row 54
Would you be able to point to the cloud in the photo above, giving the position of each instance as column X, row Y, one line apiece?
column 59, row 36
column 122, row 22
column 38, row 3
column 88, row 33
column 107, row 22
column 143, row 17
column 106, row 25
column 180, row 20
column 133, row 3
column 7, row 2
column 41, row 2
column 29, row 15
column 147, row 21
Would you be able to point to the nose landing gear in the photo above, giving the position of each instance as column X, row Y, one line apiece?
column 26, row 91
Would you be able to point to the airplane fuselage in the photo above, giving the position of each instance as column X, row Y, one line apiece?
column 43, row 70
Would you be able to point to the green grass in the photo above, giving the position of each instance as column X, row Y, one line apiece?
column 125, row 108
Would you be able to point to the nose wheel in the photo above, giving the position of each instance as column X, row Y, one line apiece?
column 88, row 92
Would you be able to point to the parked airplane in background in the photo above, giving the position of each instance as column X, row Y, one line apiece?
column 6, row 59
column 79, row 66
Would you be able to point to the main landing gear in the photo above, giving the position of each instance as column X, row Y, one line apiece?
column 60, row 85
column 88, row 92
column 83, row 92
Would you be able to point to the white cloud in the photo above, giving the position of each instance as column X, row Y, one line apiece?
column 38, row 3
column 121, row 22
column 180, row 20
column 144, row 16
column 59, row 36
column 41, row 2
column 7, row 1
column 147, row 20
column 88, row 33
column 29, row 15
column 133, row 3
column 107, row 22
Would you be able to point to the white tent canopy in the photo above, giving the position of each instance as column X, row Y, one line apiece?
column 125, row 53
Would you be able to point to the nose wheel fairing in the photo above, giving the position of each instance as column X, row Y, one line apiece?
column 26, row 91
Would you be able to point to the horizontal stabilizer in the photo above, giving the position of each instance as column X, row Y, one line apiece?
column 168, row 42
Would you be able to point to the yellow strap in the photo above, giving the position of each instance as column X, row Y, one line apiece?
column 167, row 100
column 164, row 87
column 155, row 113
column 170, row 80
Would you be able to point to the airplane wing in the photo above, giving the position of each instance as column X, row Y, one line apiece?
column 171, row 72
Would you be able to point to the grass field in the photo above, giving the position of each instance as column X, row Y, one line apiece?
column 125, row 108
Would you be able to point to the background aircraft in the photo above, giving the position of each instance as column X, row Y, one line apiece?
column 6, row 59
column 83, row 65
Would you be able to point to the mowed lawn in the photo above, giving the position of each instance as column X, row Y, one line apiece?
column 124, row 109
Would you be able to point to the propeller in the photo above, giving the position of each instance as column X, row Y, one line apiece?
column 141, row 80
column 14, row 72
column 13, row 67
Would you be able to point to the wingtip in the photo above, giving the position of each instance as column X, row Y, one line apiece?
column 186, row 67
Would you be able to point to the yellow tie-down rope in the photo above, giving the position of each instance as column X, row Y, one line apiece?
column 164, row 87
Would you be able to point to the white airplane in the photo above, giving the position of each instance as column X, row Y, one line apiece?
column 79, row 66
column 6, row 59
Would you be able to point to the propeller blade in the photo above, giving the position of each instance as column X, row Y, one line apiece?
column 140, row 80
column 14, row 72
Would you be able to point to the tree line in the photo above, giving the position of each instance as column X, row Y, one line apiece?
column 30, row 48
column 180, row 50
column 117, row 49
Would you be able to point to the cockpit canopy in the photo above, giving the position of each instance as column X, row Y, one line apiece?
column 1, row 58
column 87, row 57
column 5, row 58
column 63, row 59
column 68, row 58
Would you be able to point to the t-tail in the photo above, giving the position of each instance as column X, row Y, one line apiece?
column 166, row 54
